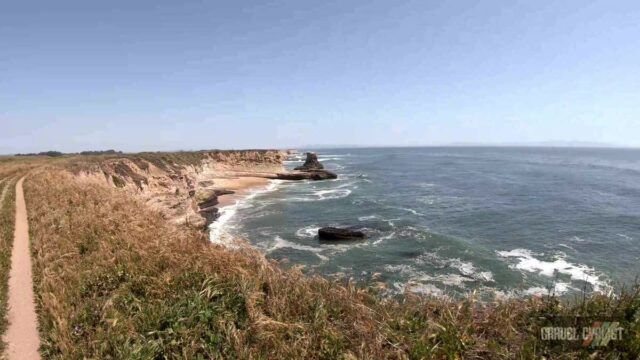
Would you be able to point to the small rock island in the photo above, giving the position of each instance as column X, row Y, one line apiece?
column 312, row 169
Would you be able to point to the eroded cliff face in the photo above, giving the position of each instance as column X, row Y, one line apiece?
column 184, row 186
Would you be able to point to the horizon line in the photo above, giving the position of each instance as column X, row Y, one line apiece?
column 369, row 146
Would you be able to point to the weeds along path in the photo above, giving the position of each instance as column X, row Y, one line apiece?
column 4, row 191
column 7, row 220
column 22, row 335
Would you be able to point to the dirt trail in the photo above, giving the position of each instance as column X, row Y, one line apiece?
column 22, row 335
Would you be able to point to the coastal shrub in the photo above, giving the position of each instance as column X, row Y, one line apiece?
column 140, row 163
column 118, row 181
column 124, row 170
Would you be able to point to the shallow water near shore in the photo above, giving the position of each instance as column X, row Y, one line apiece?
column 512, row 221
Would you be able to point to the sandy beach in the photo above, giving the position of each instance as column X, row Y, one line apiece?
column 242, row 186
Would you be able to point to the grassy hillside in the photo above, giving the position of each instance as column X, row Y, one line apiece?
column 7, row 208
column 114, row 280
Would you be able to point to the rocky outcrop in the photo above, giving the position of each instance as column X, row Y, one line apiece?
column 185, row 186
column 307, row 175
column 210, row 215
column 312, row 169
column 333, row 233
column 208, row 207
column 220, row 192
column 311, row 163
column 209, row 202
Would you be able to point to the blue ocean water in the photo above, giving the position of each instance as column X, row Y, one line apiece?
column 449, row 220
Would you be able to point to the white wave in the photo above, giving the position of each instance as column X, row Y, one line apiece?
column 446, row 279
column 272, row 186
column 558, row 289
column 414, row 212
column 427, row 200
column 321, row 195
column 566, row 246
column 347, row 185
column 281, row 243
column 578, row 239
column 308, row 232
column 424, row 289
column 386, row 237
column 526, row 261
column 332, row 194
column 465, row 268
column 469, row 270
column 390, row 222
column 218, row 230
column 366, row 218
column 486, row 276
column 400, row 268
column 468, row 273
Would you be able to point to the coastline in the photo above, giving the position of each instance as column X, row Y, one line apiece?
column 245, row 188
column 241, row 186
column 176, row 278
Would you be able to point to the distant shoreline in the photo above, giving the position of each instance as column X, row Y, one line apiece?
column 340, row 146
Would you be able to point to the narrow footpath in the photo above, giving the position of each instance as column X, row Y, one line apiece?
column 22, row 335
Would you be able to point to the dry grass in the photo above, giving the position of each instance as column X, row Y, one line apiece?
column 6, row 241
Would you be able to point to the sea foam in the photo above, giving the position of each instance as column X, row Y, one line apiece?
column 280, row 243
column 527, row 261
column 219, row 230
column 308, row 231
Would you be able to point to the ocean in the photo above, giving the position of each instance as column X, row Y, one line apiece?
column 450, row 220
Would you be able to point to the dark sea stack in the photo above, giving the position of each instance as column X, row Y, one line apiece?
column 312, row 169
column 332, row 233
column 307, row 175
column 311, row 163
column 321, row 175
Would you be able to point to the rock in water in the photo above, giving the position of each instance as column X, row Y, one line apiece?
column 311, row 170
column 307, row 175
column 311, row 163
column 332, row 233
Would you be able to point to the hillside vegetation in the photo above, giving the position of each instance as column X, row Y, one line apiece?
column 6, row 241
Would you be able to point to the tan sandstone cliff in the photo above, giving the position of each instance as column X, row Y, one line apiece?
column 184, row 186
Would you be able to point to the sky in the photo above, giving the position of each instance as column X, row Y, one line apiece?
column 169, row 75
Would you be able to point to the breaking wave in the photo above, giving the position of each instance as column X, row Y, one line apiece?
column 526, row 261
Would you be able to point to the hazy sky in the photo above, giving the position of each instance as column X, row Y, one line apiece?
column 164, row 75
